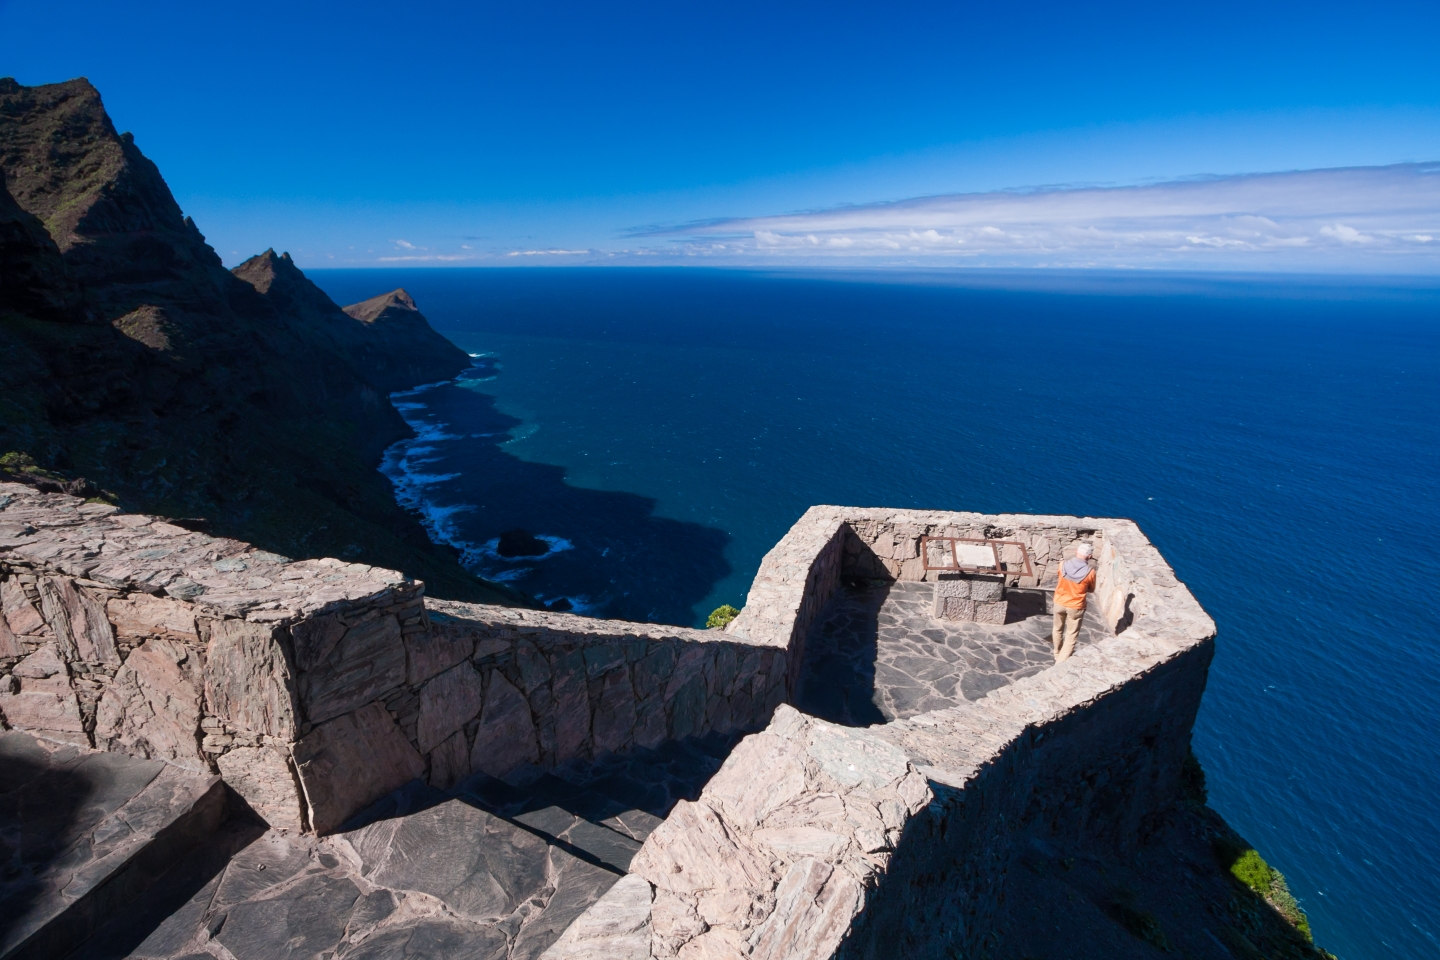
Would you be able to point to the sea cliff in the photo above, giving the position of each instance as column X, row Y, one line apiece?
column 134, row 367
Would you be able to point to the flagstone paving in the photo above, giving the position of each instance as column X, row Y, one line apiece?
column 877, row 654
column 80, row 829
column 488, row 871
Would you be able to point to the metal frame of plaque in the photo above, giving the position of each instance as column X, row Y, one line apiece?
column 955, row 566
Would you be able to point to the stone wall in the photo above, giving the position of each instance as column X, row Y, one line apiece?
column 795, row 581
column 816, row 840
column 799, row 575
column 315, row 687
column 495, row 688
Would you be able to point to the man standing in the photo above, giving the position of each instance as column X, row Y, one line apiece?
column 1076, row 580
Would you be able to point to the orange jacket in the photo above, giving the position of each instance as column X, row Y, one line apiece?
column 1070, row 594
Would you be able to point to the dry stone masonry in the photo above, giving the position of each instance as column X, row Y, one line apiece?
column 817, row 840
column 315, row 688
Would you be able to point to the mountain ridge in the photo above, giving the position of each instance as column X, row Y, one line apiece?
column 246, row 403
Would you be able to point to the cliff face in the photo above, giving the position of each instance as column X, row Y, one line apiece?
column 399, row 345
column 247, row 402
column 386, row 338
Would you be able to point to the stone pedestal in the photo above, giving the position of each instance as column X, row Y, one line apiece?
column 974, row 597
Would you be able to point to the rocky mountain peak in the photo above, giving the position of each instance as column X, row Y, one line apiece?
column 129, row 354
column 66, row 164
column 277, row 277
column 375, row 308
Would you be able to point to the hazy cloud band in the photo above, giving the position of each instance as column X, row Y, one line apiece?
column 1359, row 219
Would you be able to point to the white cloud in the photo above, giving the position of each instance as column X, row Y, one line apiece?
column 425, row 258
column 1359, row 219
column 1345, row 234
column 546, row 253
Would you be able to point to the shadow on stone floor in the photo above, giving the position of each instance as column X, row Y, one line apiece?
column 39, row 822
column 186, row 882
column 501, row 869
column 837, row 681
column 876, row 653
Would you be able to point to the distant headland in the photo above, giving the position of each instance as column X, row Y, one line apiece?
column 136, row 369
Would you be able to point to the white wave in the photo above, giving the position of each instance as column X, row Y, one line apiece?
column 427, row 432
column 401, row 464
column 430, row 479
column 491, row 549
column 499, row 576
column 420, row 389
column 583, row 605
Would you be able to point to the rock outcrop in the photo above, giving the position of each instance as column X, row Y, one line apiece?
column 385, row 338
column 250, row 404
column 399, row 346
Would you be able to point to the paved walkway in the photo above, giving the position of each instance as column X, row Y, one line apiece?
column 488, row 871
column 876, row 654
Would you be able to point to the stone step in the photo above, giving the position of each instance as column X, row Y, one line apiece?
column 490, row 869
column 83, row 834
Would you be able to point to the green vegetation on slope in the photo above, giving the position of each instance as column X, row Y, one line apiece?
column 1243, row 862
column 721, row 616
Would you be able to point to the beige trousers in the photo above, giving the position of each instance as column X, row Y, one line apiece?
column 1067, row 630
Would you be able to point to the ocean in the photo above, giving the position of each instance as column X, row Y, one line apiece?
column 1278, row 439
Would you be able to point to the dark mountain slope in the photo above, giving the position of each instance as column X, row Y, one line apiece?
column 386, row 338
column 131, row 356
column 400, row 346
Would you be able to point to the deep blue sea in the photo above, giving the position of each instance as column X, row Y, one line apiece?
column 1277, row 439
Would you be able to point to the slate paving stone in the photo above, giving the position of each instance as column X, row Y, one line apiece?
column 163, row 921
column 310, row 918
column 579, row 884
column 481, row 866
column 876, row 654
column 492, row 870
column 430, row 940
column 73, row 825
column 636, row 824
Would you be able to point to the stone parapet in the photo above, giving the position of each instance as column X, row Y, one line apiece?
column 316, row 686
column 795, row 581
column 800, row 573
column 816, row 840
column 130, row 634
column 500, row 688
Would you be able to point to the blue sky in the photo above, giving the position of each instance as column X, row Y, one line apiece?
column 447, row 133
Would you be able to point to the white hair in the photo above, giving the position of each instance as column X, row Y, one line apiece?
column 1083, row 550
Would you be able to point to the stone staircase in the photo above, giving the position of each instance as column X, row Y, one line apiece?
column 488, row 870
column 84, row 833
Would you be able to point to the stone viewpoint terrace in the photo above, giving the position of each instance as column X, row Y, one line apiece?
column 409, row 777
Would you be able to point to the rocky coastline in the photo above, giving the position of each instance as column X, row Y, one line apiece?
column 136, row 369
column 426, row 773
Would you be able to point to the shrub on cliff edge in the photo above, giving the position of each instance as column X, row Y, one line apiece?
column 1246, row 865
column 721, row 616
